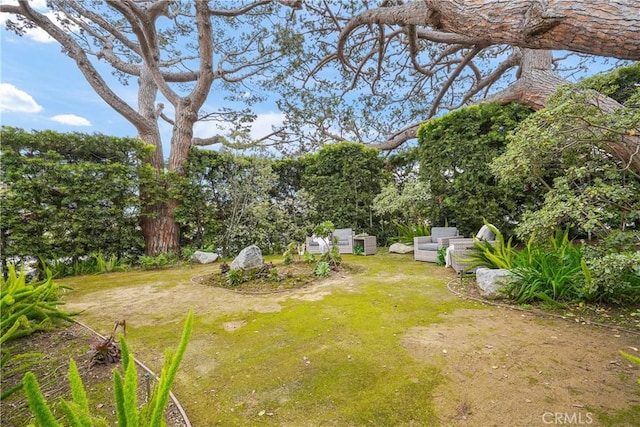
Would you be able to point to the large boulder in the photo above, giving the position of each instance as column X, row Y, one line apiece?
column 491, row 281
column 400, row 248
column 204, row 257
column 249, row 257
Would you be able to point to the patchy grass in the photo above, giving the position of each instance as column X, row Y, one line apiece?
column 329, row 355
column 332, row 352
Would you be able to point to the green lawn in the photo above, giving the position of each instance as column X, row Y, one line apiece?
column 326, row 355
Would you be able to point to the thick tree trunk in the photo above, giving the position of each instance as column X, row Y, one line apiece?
column 160, row 230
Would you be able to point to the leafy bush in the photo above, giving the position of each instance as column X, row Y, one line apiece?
column 332, row 257
column 151, row 262
column 77, row 412
column 551, row 273
column 500, row 254
column 235, row 277
column 322, row 269
column 613, row 278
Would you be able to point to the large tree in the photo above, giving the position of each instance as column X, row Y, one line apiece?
column 178, row 52
column 400, row 64
column 403, row 63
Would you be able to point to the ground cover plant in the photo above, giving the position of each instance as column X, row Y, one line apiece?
column 386, row 345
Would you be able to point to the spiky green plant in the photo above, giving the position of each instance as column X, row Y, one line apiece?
column 406, row 232
column 78, row 413
column 24, row 309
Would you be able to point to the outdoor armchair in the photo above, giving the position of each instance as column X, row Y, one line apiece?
column 460, row 249
column 425, row 248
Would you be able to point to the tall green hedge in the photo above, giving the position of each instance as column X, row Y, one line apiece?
column 69, row 195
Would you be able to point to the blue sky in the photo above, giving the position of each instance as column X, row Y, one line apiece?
column 41, row 88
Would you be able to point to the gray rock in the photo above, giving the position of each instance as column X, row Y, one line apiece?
column 400, row 248
column 492, row 281
column 204, row 257
column 249, row 257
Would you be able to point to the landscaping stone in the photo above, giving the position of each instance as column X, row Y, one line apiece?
column 492, row 281
column 400, row 248
column 249, row 257
column 204, row 257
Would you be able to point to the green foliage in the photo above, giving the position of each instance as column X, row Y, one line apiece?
column 332, row 256
column 153, row 262
column 565, row 153
column 290, row 254
column 69, row 195
column 455, row 152
column 27, row 308
column 406, row 201
column 322, row 269
column 497, row 254
column 342, row 181
column 552, row 272
column 229, row 201
column 406, row 232
column 613, row 277
column 440, row 260
column 235, row 277
column 309, row 258
column 78, row 413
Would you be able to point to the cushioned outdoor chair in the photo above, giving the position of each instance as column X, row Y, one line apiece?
column 342, row 237
column 425, row 248
column 459, row 250
column 316, row 245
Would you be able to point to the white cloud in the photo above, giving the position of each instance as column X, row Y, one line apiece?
column 71, row 120
column 264, row 122
column 15, row 100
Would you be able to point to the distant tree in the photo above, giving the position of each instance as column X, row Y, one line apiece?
column 182, row 51
column 68, row 195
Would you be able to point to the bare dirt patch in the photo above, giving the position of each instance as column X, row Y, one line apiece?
column 507, row 367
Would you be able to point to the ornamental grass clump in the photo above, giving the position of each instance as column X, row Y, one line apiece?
column 552, row 272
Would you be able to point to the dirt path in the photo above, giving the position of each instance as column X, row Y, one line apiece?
column 502, row 367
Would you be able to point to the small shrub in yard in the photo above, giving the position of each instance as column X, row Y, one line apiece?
column 309, row 258
column 151, row 262
column 322, row 269
column 235, row 277
column 500, row 254
column 612, row 278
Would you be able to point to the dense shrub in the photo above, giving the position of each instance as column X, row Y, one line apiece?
column 69, row 195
